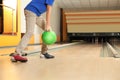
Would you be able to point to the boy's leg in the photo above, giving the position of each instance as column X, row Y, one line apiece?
column 40, row 21
column 30, row 23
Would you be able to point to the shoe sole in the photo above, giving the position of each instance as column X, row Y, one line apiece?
column 18, row 61
column 42, row 56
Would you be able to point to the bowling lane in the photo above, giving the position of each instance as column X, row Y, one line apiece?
column 75, row 62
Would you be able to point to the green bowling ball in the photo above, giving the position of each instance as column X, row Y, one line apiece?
column 48, row 37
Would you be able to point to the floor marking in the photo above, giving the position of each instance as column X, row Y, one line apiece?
column 30, row 52
column 52, row 49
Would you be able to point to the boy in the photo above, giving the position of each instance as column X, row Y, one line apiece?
column 33, row 16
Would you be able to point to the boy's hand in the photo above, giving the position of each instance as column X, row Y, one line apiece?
column 47, row 28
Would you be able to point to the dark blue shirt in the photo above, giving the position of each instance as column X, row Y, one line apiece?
column 39, row 6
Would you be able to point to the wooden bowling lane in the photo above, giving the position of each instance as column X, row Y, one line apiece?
column 77, row 62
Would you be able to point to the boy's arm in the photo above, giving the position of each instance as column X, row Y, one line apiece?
column 48, row 14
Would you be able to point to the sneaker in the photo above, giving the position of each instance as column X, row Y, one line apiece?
column 17, row 57
column 47, row 56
